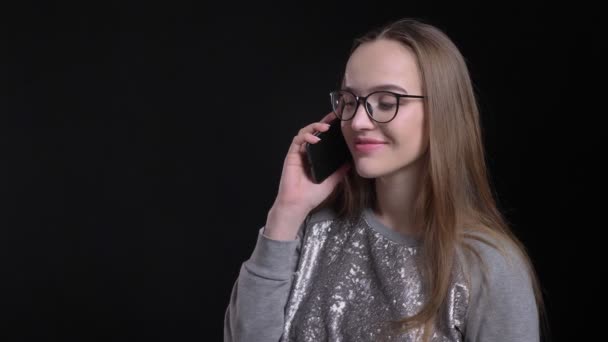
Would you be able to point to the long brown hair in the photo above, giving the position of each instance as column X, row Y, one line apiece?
column 455, row 190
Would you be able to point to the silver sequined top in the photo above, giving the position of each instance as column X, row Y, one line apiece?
column 352, row 278
column 342, row 281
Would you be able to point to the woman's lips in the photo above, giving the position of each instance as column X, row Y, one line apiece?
column 367, row 148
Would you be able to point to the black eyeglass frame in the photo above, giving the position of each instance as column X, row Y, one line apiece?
column 364, row 99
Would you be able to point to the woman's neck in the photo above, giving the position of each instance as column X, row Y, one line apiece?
column 395, row 199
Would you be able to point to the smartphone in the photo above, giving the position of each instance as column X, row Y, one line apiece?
column 327, row 155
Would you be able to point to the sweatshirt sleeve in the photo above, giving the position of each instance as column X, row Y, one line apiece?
column 504, row 308
column 256, row 311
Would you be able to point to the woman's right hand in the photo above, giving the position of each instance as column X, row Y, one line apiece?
column 297, row 193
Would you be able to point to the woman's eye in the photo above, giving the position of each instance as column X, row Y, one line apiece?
column 386, row 105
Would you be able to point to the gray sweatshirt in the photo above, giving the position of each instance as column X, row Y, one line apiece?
column 345, row 281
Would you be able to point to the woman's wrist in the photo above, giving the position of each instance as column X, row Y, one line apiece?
column 283, row 223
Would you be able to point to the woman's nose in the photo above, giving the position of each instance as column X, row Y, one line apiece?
column 360, row 119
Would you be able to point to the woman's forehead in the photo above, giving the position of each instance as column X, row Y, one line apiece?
column 382, row 62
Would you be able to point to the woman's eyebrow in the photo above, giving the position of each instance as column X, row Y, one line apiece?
column 379, row 87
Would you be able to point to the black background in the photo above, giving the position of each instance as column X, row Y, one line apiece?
column 143, row 145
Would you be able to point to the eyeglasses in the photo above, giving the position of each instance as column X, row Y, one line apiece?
column 381, row 106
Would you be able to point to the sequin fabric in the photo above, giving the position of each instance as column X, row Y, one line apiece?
column 354, row 277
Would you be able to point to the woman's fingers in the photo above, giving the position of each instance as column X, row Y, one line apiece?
column 305, row 135
column 329, row 117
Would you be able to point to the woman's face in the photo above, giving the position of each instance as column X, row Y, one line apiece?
column 385, row 65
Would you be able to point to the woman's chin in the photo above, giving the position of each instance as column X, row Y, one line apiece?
column 368, row 171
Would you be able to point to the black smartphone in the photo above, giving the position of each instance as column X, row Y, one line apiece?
column 327, row 155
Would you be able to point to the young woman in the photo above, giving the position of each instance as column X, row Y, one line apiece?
column 404, row 244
